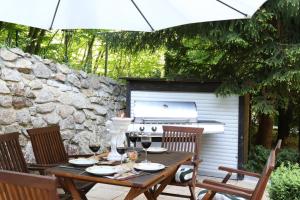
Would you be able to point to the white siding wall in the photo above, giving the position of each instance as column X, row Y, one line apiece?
column 217, row 149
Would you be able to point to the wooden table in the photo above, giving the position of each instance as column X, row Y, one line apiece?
column 147, row 184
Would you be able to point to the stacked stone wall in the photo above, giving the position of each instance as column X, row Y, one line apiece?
column 36, row 92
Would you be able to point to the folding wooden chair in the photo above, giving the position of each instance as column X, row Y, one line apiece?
column 214, row 187
column 11, row 156
column 22, row 186
column 184, row 139
column 278, row 147
column 49, row 151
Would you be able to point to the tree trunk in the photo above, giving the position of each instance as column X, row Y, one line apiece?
column 299, row 136
column 264, row 133
column 17, row 38
column 9, row 37
column 1, row 25
column 67, row 40
column 284, row 119
column 32, row 35
column 106, row 59
column 39, row 41
column 35, row 36
column 99, row 56
column 89, row 57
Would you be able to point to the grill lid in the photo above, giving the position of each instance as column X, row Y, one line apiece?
column 165, row 111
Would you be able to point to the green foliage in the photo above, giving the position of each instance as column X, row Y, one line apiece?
column 257, row 159
column 258, row 156
column 260, row 56
column 287, row 155
column 86, row 50
column 285, row 183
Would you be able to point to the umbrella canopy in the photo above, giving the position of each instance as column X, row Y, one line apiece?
column 133, row 15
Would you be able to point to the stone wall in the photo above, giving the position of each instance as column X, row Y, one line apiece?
column 36, row 92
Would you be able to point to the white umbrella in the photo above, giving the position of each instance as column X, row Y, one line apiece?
column 133, row 15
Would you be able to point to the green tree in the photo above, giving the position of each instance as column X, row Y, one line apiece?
column 260, row 56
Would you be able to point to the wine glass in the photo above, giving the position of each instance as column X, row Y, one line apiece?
column 94, row 145
column 133, row 136
column 121, row 149
column 146, row 140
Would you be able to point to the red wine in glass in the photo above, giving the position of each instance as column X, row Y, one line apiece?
column 146, row 144
column 94, row 148
column 121, row 151
column 133, row 138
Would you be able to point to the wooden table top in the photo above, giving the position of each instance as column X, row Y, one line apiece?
column 170, row 159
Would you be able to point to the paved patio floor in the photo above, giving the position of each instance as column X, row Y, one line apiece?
column 110, row 192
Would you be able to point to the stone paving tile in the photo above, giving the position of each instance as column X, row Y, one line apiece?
column 111, row 192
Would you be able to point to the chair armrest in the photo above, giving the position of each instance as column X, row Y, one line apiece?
column 40, row 168
column 34, row 166
column 217, row 188
column 212, row 182
column 238, row 171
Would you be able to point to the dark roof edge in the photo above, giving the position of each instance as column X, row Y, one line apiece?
column 130, row 79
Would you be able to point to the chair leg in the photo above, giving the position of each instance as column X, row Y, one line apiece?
column 192, row 191
column 208, row 196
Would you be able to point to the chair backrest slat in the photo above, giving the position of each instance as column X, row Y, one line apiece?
column 47, row 145
column 182, row 139
column 263, row 181
column 21, row 186
column 11, row 156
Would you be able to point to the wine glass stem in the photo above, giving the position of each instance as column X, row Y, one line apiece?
column 94, row 158
column 146, row 155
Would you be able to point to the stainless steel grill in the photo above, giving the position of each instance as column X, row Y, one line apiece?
column 165, row 112
column 155, row 114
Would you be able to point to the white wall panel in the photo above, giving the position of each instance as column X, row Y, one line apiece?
column 217, row 149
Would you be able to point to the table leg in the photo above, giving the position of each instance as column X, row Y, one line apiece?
column 149, row 195
column 162, row 186
column 134, row 192
column 69, row 184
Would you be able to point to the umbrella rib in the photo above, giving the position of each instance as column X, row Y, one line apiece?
column 53, row 18
column 232, row 8
column 142, row 15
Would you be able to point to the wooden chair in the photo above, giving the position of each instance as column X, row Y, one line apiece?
column 11, row 156
column 184, row 139
column 223, row 187
column 49, row 151
column 22, row 186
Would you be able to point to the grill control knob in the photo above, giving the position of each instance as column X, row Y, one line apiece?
column 153, row 128
column 142, row 128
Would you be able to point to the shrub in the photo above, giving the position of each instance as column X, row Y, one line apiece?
column 258, row 157
column 285, row 183
column 287, row 155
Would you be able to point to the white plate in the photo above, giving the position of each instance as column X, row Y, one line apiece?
column 156, row 150
column 149, row 167
column 102, row 170
column 83, row 162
